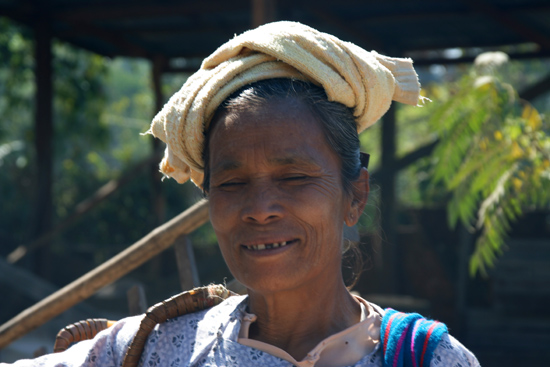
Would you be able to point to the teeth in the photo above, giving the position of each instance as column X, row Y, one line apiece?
column 264, row 246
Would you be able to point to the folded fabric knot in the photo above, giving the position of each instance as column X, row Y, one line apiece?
column 364, row 81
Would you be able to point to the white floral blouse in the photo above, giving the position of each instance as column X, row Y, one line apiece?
column 206, row 338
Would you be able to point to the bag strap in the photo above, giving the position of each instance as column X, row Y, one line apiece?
column 187, row 302
column 409, row 339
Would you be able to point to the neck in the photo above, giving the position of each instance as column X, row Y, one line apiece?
column 297, row 320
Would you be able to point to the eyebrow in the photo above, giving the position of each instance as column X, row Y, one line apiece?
column 231, row 165
column 294, row 160
column 226, row 166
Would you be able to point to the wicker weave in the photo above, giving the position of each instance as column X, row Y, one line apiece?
column 82, row 330
column 187, row 302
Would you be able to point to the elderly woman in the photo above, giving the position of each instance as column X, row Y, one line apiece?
column 268, row 128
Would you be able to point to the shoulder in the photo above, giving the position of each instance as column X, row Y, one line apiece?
column 182, row 340
column 451, row 353
column 107, row 349
column 208, row 319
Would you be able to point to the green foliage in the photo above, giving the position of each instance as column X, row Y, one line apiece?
column 100, row 108
column 493, row 158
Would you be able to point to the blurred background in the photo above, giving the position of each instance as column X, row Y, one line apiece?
column 458, row 223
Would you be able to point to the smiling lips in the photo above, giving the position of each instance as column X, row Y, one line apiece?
column 267, row 246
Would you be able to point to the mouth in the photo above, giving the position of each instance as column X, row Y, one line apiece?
column 268, row 246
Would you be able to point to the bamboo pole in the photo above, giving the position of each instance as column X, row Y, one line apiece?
column 156, row 241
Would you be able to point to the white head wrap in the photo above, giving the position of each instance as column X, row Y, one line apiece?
column 362, row 80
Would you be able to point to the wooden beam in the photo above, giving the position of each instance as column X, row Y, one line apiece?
column 107, row 11
column 405, row 16
column 408, row 159
column 507, row 19
column 117, row 39
column 185, row 69
column 532, row 92
column 412, row 157
column 149, row 246
column 427, row 14
column 367, row 40
column 80, row 210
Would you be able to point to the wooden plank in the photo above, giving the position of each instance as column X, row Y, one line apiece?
column 156, row 241
column 187, row 267
column 137, row 302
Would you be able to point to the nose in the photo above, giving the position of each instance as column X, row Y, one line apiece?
column 262, row 204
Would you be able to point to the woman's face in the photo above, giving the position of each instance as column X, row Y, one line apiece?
column 277, row 203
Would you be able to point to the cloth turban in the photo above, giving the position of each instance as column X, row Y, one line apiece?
column 365, row 81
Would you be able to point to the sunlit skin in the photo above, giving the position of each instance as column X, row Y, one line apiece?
column 275, row 179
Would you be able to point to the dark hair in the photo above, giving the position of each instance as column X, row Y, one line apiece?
column 337, row 122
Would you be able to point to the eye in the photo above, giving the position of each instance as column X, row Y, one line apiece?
column 231, row 184
column 295, row 178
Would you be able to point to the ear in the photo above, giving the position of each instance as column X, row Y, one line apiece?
column 360, row 194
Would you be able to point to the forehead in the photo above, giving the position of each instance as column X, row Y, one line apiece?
column 282, row 130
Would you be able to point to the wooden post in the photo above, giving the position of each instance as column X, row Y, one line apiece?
column 156, row 241
column 157, row 196
column 390, row 251
column 158, row 204
column 43, row 136
column 263, row 11
column 185, row 259
column 465, row 242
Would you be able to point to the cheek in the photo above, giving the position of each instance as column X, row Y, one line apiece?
column 220, row 209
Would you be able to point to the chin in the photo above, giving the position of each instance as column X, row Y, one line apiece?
column 272, row 284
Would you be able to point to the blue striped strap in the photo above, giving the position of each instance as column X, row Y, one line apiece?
column 408, row 339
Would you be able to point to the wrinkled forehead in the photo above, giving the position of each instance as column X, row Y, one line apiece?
column 244, row 114
column 279, row 126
